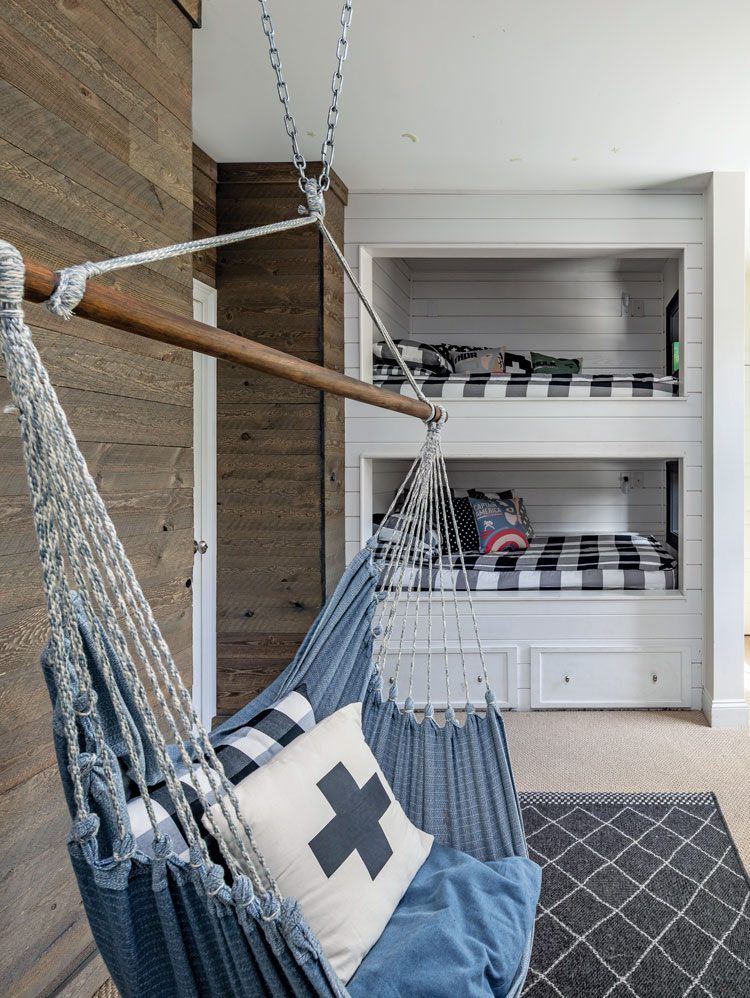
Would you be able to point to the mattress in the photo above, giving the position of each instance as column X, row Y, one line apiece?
column 533, row 386
column 553, row 562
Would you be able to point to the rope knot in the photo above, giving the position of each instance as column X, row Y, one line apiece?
column 270, row 907
column 11, row 278
column 70, row 288
column 85, row 828
column 124, row 848
column 242, row 892
column 315, row 199
column 162, row 846
column 214, row 880
column 85, row 702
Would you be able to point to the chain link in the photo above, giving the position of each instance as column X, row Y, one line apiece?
column 327, row 149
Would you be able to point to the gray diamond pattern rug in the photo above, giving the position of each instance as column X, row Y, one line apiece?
column 643, row 896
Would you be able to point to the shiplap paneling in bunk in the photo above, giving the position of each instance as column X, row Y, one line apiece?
column 392, row 295
column 453, row 227
column 95, row 128
column 566, row 497
column 568, row 307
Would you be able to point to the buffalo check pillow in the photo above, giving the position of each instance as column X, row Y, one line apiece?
column 333, row 835
column 416, row 354
column 242, row 750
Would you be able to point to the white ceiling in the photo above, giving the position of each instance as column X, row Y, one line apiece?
column 500, row 94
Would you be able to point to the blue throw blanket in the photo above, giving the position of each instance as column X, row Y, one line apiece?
column 461, row 920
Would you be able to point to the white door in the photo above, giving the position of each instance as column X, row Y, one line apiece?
column 204, row 518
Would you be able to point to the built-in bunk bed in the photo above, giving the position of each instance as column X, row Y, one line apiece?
column 503, row 551
column 571, row 408
column 526, row 329
column 538, row 329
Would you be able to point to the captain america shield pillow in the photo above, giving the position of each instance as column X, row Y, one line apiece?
column 499, row 524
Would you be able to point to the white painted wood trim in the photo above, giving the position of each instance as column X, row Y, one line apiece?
column 508, row 653
column 725, row 713
column 204, row 515
column 604, row 649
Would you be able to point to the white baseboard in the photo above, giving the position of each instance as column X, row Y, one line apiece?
column 725, row 713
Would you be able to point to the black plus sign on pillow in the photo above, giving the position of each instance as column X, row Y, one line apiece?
column 356, row 824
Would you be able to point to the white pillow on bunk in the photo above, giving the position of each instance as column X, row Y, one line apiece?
column 333, row 835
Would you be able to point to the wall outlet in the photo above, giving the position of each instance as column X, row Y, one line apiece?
column 631, row 480
column 636, row 308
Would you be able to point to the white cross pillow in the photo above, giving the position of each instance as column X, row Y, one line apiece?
column 333, row 835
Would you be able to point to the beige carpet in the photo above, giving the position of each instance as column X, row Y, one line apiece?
column 634, row 750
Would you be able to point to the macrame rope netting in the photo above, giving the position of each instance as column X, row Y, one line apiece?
column 79, row 549
column 419, row 569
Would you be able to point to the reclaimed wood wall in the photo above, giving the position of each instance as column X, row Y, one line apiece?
column 280, row 445
column 95, row 128
column 204, row 214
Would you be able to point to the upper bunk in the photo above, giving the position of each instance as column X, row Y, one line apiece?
column 553, row 328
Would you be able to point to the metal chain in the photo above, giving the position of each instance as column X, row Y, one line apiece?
column 327, row 149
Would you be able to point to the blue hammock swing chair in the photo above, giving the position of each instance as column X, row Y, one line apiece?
column 168, row 926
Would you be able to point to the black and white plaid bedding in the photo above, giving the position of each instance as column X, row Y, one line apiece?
column 241, row 751
column 499, row 386
column 557, row 562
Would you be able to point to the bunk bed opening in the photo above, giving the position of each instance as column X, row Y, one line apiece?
column 544, row 527
column 598, row 326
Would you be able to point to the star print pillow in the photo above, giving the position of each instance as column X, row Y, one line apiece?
column 333, row 835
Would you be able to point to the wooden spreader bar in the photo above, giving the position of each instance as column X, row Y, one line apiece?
column 113, row 308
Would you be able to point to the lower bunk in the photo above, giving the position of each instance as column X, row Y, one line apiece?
column 573, row 562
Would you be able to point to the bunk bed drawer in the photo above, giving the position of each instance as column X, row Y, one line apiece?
column 602, row 675
column 502, row 672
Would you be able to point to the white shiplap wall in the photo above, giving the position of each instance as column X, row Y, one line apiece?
column 569, row 308
column 476, row 225
column 560, row 496
column 391, row 295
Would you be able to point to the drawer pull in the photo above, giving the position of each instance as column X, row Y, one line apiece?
column 479, row 679
column 654, row 678
column 567, row 679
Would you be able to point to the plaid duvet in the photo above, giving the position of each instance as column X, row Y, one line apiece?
column 556, row 562
column 534, row 386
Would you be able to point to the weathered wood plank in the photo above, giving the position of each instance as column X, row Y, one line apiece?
column 44, row 239
column 96, row 161
column 133, row 513
column 280, row 447
column 247, row 664
column 204, row 213
column 54, row 143
column 114, row 467
column 86, row 365
column 101, row 417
